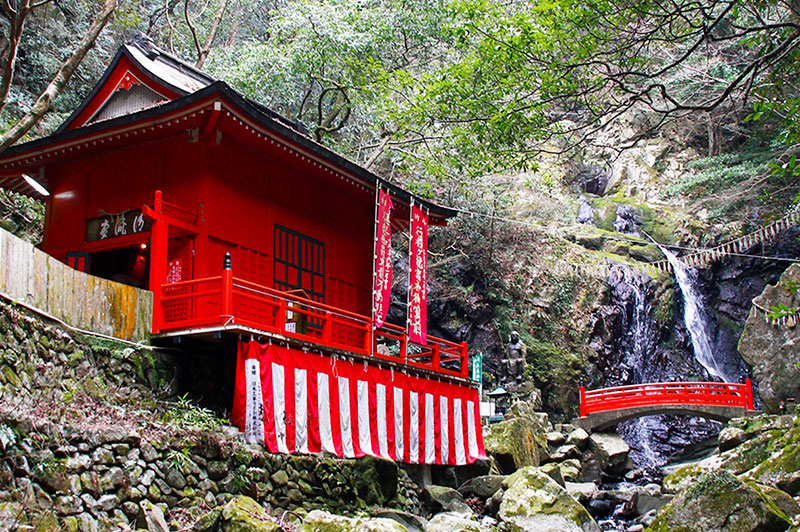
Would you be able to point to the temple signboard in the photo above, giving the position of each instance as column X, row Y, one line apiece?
column 115, row 225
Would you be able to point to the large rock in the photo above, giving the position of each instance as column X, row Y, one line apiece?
column 771, row 350
column 770, row 454
column 611, row 452
column 243, row 514
column 413, row 523
column 442, row 498
column 455, row 522
column 515, row 443
column 719, row 501
column 484, row 486
column 534, row 501
column 321, row 521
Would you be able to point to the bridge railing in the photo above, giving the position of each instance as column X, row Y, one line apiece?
column 664, row 393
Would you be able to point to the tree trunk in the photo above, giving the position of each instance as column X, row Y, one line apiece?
column 60, row 80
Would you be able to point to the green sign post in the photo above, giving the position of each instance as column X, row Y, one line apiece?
column 476, row 372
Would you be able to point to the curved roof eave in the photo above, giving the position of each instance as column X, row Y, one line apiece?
column 255, row 112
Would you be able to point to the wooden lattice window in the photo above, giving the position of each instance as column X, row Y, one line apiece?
column 299, row 263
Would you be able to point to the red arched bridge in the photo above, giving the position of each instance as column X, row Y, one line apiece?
column 714, row 400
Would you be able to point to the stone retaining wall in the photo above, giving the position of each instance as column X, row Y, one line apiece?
column 90, row 431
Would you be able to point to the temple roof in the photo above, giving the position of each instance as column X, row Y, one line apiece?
column 146, row 91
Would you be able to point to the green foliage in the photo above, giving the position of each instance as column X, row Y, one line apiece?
column 181, row 459
column 185, row 414
column 781, row 310
column 713, row 174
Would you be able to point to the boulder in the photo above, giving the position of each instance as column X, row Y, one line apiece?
column 514, row 443
column 379, row 524
column 243, row 514
column 771, row 350
column 565, row 452
column 150, row 518
column 731, row 437
column 581, row 491
column 320, row 521
column 553, row 471
column 376, row 479
column 681, row 479
column 455, row 522
column 718, row 500
column 555, row 438
column 534, row 501
column 412, row 523
column 611, row 452
column 571, row 470
column 578, row 438
column 484, row 486
column 441, row 498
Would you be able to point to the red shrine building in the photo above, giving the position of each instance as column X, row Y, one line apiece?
column 258, row 245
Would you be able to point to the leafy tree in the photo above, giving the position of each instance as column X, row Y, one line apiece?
column 547, row 76
column 332, row 65
column 16, row 14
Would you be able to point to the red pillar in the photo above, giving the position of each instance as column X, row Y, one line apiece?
column 226, row 312
column 584, row 413
column 436, row 355
column 749, row 394
column 159, row 233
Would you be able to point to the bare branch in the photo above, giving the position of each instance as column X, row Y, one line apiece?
column 212, row 34
column 191, row 29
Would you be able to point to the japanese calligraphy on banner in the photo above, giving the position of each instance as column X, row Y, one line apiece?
column 382, row 289
column 300, row 402
column 418, row 278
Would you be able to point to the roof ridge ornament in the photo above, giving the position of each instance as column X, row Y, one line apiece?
column 145, row 44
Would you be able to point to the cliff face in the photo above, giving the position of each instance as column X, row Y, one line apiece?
column 772, row 346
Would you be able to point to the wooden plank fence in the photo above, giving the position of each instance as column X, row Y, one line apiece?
column 83, row 301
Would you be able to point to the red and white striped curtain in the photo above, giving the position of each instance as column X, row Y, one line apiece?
column 298, row 402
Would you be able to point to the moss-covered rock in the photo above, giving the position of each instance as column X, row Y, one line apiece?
column 772, row 350
column 682, row 478
column 455, row 522
column 534, row 501
column 243, row 514
column 321, row 521
column 718, row 500
column 513, row 443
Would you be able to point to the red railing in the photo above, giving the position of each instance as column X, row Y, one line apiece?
column 667, row 393
column 226, row 300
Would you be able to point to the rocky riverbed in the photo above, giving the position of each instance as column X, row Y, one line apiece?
column 92, row 437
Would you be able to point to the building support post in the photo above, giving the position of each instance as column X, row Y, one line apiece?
column 584, row 413
column 159, row 234
column 226, row 312
column 749, row 394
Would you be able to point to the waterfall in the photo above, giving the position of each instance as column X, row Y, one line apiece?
column 640, row 357
column 634, row 293
column 694, row 316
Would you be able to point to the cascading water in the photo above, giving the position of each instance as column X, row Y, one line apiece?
column 694, row 315
column 637, row 345
column 641, row 357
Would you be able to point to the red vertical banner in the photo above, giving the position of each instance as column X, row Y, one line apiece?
column 382, row 288
column 418, row 278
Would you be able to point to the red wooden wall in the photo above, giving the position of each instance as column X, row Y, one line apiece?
column 240, row 191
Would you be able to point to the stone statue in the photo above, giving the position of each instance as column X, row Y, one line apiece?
column 512, row 367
